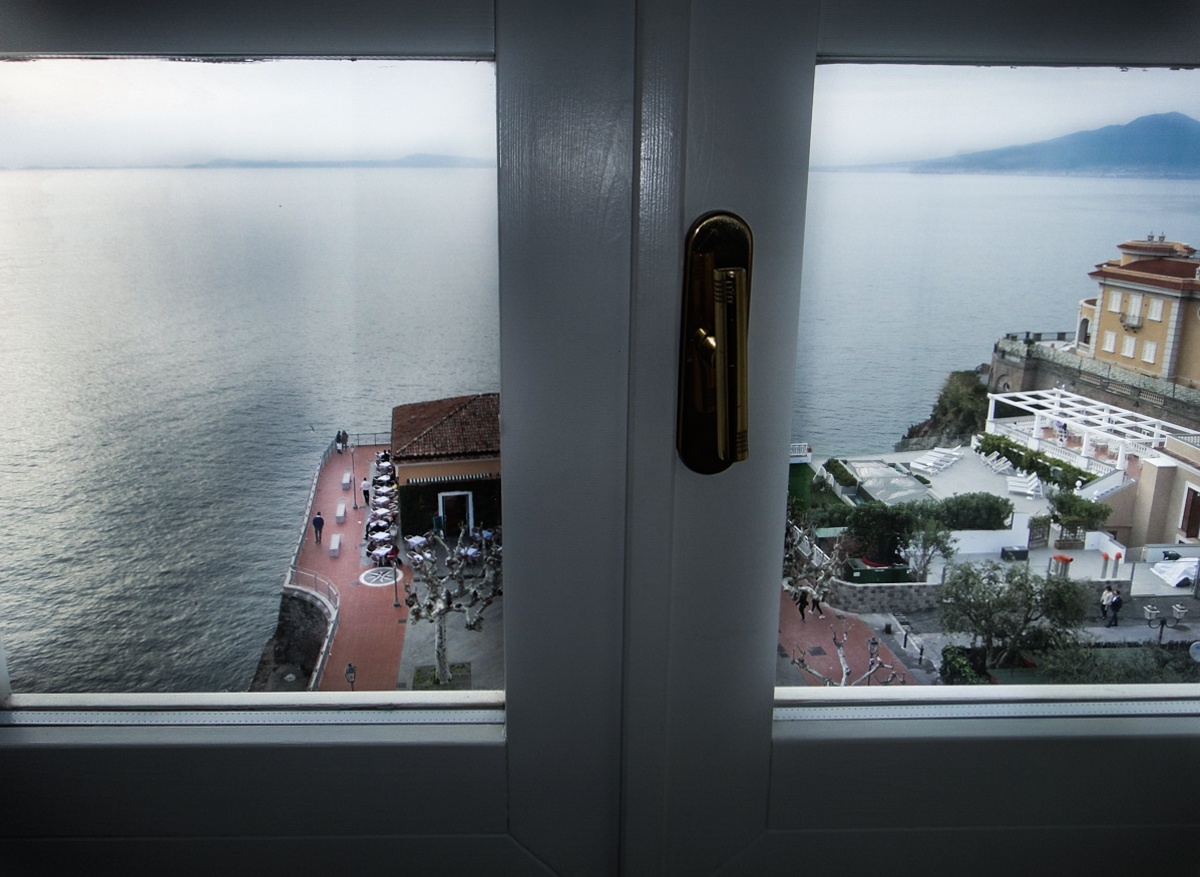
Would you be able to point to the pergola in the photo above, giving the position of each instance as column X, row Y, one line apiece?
column 1105, row 433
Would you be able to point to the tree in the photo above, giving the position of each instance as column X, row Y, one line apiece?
column 911, row 531
column 976, row 511
column 874, row 665
column 1007, row 609
column 930, row 538
column 806, row 568
column 881, row 530
column 1071, row 511
column 469, row 581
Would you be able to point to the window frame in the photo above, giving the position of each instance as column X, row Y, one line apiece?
column 1109, row 344
column 1154, row 309
column 655, row 748
column 1149, row 351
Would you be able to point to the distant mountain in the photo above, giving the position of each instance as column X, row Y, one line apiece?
column 420, row 159
column 1161, row 145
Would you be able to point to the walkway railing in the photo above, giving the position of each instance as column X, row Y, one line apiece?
column 325, row 594
column 357, row 439
column 323, row 590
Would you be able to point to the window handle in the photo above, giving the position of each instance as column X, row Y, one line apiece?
column 712, row 425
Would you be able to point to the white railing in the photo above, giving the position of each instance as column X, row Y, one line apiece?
column 324, row 593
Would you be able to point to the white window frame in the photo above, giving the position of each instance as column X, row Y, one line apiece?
column 1128, row 346
column 1149, row 351
column 1154, row 310
column 1135, row 305
column 1114, row 300
column 1110, row 342
column 639, row 735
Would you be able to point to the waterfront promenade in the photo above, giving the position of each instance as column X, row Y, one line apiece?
column 370, row 632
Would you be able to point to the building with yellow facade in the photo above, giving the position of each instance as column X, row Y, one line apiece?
column 1146, row 315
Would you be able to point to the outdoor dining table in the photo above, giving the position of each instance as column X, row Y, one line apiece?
column 415, row 542
column 385, row 553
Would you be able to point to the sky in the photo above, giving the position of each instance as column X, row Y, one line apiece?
column 71, row 112
column 66, row 112
column 866, row 113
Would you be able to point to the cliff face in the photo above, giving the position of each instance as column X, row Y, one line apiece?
column 960, row 409
column 293, row 650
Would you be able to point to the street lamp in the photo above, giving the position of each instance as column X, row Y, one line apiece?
column 396, row 587
column 351, row 674
column 353, row 477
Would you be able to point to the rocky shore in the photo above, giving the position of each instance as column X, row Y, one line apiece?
column 291, row 654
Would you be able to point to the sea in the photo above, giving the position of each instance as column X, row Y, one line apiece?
column 178, row 347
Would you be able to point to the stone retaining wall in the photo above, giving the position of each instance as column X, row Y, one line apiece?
column 899, row 597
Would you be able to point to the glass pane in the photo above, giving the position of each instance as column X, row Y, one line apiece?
column 209, row 271
column 986, row 229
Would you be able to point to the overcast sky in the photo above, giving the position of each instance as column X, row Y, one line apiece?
column 119, row 112
column 881, row 113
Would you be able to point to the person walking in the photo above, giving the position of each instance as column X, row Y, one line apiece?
column 366, row 489
column 802, row 604
column 318, row 525
column 1114, row 608
column 1105, row 599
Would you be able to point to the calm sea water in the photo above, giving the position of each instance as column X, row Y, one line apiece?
column 179, row 346
column 908, row 277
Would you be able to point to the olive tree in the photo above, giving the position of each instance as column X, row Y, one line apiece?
column 1009, row 608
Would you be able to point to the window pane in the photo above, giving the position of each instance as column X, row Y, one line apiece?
column 963, row 225
column 209, row 271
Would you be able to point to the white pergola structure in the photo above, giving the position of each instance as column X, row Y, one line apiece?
column 1053, row 421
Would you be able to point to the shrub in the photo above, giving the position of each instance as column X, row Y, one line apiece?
column 958, row 668
column 976, row 511
column 1033, row 461
column 840, row 473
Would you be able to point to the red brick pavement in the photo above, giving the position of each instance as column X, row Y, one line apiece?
column 796, row 635
column 370, row 630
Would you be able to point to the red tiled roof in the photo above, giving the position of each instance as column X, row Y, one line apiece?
column 457, row 428
column 1168, row 248
column 1175, row 274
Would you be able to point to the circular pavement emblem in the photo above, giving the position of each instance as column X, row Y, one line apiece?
column 379, row 577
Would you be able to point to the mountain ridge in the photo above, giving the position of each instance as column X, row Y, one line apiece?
column 1156, row 146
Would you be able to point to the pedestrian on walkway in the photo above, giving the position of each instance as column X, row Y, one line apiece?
column 1105, row 599
column 802, row 604
column 1114, row 608
column 816, row 605
column 366, row 489
column 318, row 525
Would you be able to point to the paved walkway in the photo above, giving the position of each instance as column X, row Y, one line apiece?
column 814, row 636
column 371, row 630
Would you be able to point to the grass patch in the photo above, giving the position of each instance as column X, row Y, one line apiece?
column 425, row 679
column 800, row 478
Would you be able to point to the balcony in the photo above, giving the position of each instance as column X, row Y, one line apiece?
column 1132, row 322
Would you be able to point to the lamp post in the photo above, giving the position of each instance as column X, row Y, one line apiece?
column 353, row 477
column 351, row 674
column 395, row 587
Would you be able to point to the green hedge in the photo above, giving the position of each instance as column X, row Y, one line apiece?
column 1033, row 461
column 840, row 473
